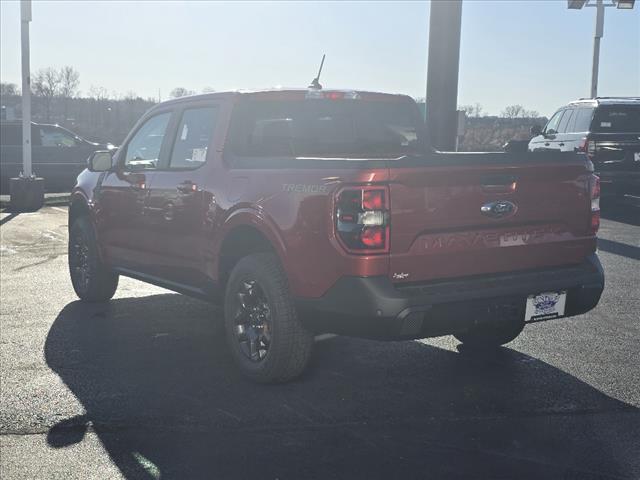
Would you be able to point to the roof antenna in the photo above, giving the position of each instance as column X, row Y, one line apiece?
column 315, row 84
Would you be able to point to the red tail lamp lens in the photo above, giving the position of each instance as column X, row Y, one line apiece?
column 373, row 237
column 373, row 199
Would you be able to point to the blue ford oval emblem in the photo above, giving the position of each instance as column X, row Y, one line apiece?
column 499, row 209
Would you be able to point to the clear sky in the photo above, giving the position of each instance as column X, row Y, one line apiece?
column 536, row 53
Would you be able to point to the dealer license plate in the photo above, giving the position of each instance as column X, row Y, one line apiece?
column 545, row 306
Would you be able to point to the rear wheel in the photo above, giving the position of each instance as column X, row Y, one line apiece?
column 91, row 279
column 266, row 339
column 488, row 336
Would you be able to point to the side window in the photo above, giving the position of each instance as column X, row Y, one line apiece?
column 552, row 126
column 562, row 127
column 583, row 119
column 571, row 126
column 56, row 137
column 192, row 137
column 143, row 149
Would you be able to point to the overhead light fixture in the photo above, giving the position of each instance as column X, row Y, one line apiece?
column 576, row 4
column 626, row 4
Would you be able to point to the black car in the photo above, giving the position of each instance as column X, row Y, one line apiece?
column 605, row 129
column 57, row 155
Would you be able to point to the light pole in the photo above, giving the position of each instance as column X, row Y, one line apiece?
column 599, row 33
column 25, row 18
column 26, row 191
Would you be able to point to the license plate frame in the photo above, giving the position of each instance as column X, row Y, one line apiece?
column 545, row 306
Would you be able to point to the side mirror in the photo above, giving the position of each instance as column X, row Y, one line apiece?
column 535, row 130
column 100, row 161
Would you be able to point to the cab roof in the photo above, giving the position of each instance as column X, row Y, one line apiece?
column 276, row 93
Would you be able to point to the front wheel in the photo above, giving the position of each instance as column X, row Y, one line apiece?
column 488, row 336
column 266, row 339
column 91, row 279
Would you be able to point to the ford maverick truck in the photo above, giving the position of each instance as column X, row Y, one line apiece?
column 310, row 211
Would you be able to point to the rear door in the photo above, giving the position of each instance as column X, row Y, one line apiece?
column 180, row 199
column 538, row 214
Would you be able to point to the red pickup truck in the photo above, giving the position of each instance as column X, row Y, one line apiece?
column 309, row 211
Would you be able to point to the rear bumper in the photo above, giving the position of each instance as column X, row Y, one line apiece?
column 374, row 307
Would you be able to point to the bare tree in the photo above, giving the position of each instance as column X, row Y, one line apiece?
column 98, row 93
column 208, row 89
column 474, row 110
column 9, row 90
column 513, row 111
column 46, row 84
column 180, row 92
column 518, row 111
column 69, row 83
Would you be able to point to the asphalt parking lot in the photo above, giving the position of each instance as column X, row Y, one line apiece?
column 143, row 387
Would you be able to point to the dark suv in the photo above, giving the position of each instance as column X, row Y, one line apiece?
column 607, row 130
column 58, row 155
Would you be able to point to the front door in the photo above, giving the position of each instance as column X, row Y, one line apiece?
column 180, row 200
column 122, row 221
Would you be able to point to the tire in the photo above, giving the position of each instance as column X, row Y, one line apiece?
column 258, row 307
column 491, row 336
column 91, row 279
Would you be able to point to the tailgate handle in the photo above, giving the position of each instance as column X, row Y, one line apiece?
column 499, row 183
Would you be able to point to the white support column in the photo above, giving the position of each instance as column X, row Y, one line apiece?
column 25, row 18
column 596, row 47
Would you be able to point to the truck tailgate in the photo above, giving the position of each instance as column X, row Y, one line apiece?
column 438, row 228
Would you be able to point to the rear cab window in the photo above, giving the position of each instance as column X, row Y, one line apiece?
column 617, row 119
column 335, row 125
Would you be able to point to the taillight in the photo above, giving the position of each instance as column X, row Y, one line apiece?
column 594, row 193
column 588, row 146
column 362, row 219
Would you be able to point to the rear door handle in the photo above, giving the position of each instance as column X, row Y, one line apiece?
column 187, row 187
column 546, row 144
column 561, row 144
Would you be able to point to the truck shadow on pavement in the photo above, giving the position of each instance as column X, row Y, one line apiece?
column 161, row 393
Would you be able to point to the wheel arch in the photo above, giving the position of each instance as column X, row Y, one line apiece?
column 244, row 233
column 78, row 207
